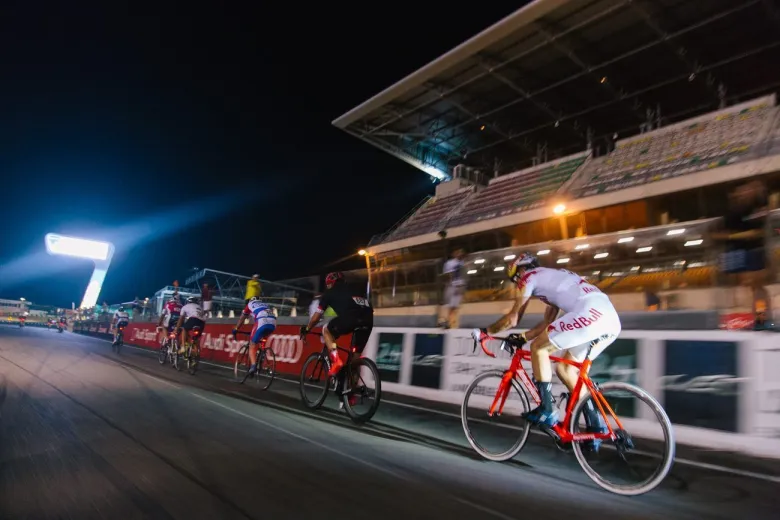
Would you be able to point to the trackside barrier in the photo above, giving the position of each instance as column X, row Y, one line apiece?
column 218, row 345
column 721, row 389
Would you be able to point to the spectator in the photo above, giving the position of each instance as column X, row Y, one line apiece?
column 745, row 256
column 205, row 297
column 456, row 286
column 253, row 288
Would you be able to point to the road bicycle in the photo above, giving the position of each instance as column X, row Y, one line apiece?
column 266, row 364
column 570, row 434
column 169, row 350
column 120, row 338
column 352, row 385
column 192, row 350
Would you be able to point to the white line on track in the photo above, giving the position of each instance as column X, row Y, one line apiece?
column 677, row 460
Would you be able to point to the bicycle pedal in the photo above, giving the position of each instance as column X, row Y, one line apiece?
column 549, row 431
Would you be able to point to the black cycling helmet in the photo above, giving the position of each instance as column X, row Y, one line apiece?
column 523, row 261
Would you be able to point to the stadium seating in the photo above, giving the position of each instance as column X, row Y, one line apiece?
column 431, row 216
column 517, row 192
column 721, row 139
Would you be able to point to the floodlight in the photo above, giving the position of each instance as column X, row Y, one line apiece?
column 99, row 252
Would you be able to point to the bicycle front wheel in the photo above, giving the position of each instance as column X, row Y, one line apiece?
column 241, row 364
column 501, row 436
column 314, row 380
column 654, row 430
column 163, row 355
column 362, row 402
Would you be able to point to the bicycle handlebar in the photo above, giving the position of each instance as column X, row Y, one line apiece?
column 512, row 342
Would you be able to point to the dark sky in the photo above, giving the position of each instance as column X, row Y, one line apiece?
column 110, row 118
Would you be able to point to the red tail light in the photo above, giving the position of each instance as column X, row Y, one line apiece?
column 195, row 332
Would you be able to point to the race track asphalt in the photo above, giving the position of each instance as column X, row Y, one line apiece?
column 85, row 433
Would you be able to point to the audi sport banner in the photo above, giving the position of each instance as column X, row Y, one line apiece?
column 218, row 345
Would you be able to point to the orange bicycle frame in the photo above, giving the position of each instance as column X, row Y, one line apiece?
column 517, row 371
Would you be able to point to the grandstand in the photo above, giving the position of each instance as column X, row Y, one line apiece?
column 571, row 122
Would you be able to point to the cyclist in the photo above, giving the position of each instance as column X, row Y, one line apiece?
column 352, row 310
column 588, row 317
column 265, row 324
column 191, row 316
column 121, row 319
column 168, row 318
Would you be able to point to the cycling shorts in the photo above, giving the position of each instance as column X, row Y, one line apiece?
column 190, row 323
column 263, row 331
column 359, row 323
column 594, row 318
column 122, row 323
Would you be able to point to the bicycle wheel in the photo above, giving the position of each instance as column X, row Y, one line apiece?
column 193, row 358
column 162, row 357
column 367, row 374
column 316, row 366
column 266, row 369
column 241, row 364
column 175, row 356
column 507, row 428
column 624, row 443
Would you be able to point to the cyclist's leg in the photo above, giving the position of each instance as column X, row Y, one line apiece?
column 255, row 338
column 336, row 328
column 360, row 337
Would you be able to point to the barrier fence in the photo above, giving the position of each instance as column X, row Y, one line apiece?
column 721, row 389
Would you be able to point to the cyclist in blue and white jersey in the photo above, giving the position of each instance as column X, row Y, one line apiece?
column 265, row 324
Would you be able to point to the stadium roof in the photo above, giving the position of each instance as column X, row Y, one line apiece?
column 558, row 74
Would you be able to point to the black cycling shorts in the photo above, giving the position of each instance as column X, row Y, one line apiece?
column 358, row 323
column 190, row 323
column 172, row 321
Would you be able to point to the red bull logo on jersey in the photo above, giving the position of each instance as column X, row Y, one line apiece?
column 580, row 322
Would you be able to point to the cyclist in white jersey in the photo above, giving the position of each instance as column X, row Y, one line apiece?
column 589, row 318
column 191, row 316
column 120, row 316
column 265, row 324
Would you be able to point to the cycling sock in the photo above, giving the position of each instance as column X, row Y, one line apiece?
column 593, row 418
column 545, row 393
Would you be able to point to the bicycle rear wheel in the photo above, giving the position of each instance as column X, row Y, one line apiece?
column 367, row 375
column 175, row 356
column 193, row 358
column 266, row 369
column 623, row 444
column 490, row 436
column 315, row 380
column 162, row 357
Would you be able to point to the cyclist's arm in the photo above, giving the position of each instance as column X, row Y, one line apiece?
column 550, row 313
column 241, row 320
column 314, row 320
column 512, row 318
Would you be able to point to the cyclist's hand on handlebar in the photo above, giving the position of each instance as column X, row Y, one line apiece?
column 234, row 332
column 304, row 330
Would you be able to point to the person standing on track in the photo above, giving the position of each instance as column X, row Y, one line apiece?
column 354, row 315
column 265, row 324
column 589, row 319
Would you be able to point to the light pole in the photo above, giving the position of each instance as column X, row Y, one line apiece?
column 365, row 254
column 99, row 252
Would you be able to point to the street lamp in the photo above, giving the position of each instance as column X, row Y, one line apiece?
column 365, row 254
column 99, row 252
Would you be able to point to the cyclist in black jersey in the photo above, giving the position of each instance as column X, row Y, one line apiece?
column 354, row 314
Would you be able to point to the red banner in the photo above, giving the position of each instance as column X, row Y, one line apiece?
column 737, row 321
column 218, row 345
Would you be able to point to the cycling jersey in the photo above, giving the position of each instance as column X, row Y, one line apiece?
column 192, row 310
column 121, row 316
column 265, row 319
column 343, row 300
column 589, row 315
column 558, row 287
column 171, row 313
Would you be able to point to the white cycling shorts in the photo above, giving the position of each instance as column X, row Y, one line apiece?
column 594, row 318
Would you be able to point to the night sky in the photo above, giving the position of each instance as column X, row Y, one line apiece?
column 109, row 119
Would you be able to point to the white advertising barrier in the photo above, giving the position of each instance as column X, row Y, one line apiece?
column 721, row 389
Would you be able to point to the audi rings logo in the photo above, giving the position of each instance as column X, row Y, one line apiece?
column 287, row 347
